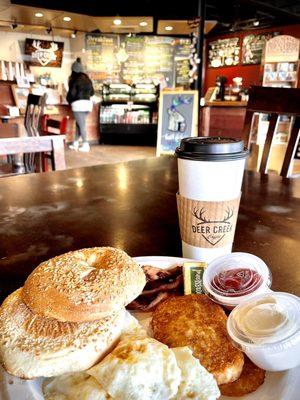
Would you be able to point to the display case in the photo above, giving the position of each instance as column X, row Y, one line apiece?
column 128, row 113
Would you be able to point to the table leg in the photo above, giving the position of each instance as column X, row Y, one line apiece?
column 58, row 159
column 17, row 162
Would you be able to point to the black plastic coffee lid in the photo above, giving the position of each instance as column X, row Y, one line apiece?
column 211, row 148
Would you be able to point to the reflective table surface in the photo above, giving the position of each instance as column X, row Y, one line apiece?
column 132, row 206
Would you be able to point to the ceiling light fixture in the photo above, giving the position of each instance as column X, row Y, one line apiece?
column 74, row 34
column 39, row 14
column 14, row 25
column 143, row 23
column 117, row 21
column 49, row 30
column 67, row 19
column 168, row 28
column 256, row 23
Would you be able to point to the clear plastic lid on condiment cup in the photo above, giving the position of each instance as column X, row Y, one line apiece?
column 269, row 321
column 235, row 261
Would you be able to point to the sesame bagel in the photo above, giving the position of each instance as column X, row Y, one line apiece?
column 32, row 346
column 83, row 285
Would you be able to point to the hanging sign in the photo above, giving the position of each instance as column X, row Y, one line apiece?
column 282, row 48
column 44, row 53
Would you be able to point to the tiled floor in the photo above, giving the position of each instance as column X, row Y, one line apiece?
column 107, row 154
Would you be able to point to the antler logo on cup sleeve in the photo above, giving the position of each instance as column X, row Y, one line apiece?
column 207, row 224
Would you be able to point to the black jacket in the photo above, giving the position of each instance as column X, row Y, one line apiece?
column 80, row 87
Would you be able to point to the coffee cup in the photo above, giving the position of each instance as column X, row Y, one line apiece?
column 210, row 173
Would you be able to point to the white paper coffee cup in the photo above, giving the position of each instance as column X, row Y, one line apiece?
column 210, row 173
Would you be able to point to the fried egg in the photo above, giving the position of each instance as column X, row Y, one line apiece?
column 196, row 382
column 139, row 368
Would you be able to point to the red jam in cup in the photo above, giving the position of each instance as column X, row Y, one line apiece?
column 236, row 282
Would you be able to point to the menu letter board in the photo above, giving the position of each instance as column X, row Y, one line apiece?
column 178, row 118
column 44, row 53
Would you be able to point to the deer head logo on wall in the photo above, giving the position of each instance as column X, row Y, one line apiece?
column 44, row 55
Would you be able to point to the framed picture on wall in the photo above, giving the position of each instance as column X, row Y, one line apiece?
column 20, row 96
column 177, row 119
column 253, row 46
column 23, row 82
column 224, row 52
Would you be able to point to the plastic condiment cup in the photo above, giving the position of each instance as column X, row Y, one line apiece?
column 267, row 328
column 234, row 261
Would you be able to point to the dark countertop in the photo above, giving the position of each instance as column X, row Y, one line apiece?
column 132, row 206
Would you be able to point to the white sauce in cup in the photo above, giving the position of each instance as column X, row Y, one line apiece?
column 267, row 328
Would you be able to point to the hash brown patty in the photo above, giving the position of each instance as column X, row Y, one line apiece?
column 249, row 381
column 199, row 323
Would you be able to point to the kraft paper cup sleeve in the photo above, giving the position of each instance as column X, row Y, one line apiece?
column 207, row 224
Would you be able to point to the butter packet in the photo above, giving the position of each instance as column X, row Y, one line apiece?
column 193, row 277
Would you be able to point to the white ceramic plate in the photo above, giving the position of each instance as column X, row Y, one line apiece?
column 277, row 386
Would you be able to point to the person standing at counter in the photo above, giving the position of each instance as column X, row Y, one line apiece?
column 79, row 97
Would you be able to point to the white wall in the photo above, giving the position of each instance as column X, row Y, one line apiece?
column 12, row 46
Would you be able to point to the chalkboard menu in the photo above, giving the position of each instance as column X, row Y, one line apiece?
column 253, row 46
column 133, row 59
column 182, row 68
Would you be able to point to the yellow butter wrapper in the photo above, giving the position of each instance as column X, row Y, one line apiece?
column 193, row 277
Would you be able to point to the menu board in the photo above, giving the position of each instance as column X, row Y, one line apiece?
column 253, row 46
column 224, row 52
column 132, row 67
column 101, row 59
column 134, row 59
column 182, row 69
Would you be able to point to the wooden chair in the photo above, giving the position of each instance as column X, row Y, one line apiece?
column 34, row 161
column 274, row 101
column 53, row 144
column 50, row 126
column 33, row 122
column 26, row 163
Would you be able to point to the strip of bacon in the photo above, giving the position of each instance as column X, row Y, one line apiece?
column 137, row 306
column 161, row 284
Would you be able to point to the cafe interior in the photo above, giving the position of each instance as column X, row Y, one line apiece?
column 149, row 200
column 135, row 57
